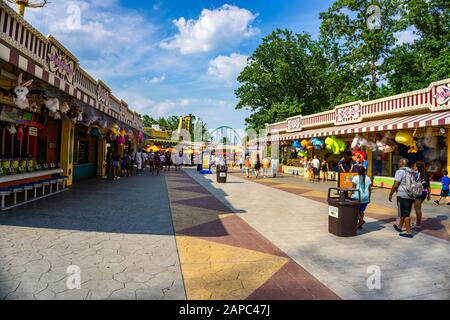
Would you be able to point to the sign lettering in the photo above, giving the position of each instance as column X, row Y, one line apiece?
column 60, row 64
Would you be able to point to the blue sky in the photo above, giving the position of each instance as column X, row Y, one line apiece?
column 173, row 57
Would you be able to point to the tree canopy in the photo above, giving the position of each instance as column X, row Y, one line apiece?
column 358, row 55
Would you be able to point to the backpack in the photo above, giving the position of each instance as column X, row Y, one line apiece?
column 413, row 187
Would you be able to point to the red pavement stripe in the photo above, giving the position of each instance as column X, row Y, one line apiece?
column 292, row 282
column 233, row 231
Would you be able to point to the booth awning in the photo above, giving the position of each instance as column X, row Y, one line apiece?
column 405, row 122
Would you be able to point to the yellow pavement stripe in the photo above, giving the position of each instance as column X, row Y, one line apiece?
column 293, row 186
column 315, row 193
column 217, row 271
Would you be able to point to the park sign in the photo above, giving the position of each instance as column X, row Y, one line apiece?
column 294, row 123
column 442, row 95
column 60, row 62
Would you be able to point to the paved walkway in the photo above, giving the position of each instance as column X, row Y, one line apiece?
column 436, row 219
column 297, row 223
column 222, row 257
column 181, row 235
column 119, row 233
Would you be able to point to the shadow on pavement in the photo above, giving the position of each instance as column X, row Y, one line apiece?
column 136, row 205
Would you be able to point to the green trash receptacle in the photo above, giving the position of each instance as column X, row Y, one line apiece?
column 343, row 212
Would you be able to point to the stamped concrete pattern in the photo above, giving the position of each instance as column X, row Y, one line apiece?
column 119, row 233
column 222, row 257
column 409, row 268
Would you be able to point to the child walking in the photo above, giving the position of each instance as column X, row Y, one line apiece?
column 445, row 187
column 362, row 182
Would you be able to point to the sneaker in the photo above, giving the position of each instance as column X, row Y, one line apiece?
column 406, row 235
column 397, row 228
column 436, row 202
column 361, row 225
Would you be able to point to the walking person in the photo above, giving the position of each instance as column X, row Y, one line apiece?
column 315, row 164
column 162, row 159
column 168, row 161
column 257, row 166
column 248, row 166
column 108, row 162
column 128, row 164
column 144, row 160
column 151, row 161
column 138, row 159
column 274, row 166
column 307, row 167
column 424, row 179
column 157, row 163
column 265, row 166
column 405, row 200
column 325, row 169
column 116, row 165
column 444, row 188
column 363, row 183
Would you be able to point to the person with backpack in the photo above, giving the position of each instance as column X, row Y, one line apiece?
column 424, row 179
column 362, row 183
column 407, row 189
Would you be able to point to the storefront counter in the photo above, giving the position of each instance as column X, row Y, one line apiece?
column 388, row 182
column 21, row 178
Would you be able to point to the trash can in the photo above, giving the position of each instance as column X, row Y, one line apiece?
column 221, row 171
column 343, row 212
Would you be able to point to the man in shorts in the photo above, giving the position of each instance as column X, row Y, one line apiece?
column 404, row 201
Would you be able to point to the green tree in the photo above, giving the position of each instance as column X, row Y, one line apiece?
column 414, row 65
column 358, row 35
column 282, row 78
column 148, row 121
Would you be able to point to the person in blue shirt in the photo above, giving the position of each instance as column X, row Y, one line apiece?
column 445, row 188
column 362, row 183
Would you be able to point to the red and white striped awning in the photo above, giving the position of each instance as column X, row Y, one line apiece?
column 405, row 122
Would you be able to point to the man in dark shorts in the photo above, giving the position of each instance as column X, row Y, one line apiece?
column 404, row 201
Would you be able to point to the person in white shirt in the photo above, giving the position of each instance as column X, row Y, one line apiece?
column 145, row 160
column 315, row 163
column 274, row 166
column 138, row 160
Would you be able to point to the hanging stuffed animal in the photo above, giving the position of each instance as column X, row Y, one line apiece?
column 336, row 145
column 317, row 143
column 34, row 107
column 52, row 104
column 406, row 139
column 359, row 156
column 64, row 107
column 121, row 136
column 296, row 144
column 55, row 115
column 80, row 116
column 302, row 153
column 20, row 133
column 12, row 129
column 359, row 142
column 20, row 93
column 139, row 137
column 306, row 144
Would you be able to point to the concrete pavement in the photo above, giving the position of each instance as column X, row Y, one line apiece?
column 119, row 233
column 410, row 268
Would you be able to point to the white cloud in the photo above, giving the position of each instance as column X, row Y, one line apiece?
column 227, row 68
column 406, row 36
column 111, row 39
column 156, row 80
column 226, row 26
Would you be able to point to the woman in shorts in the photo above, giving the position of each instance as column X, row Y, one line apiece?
column 423, row 178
